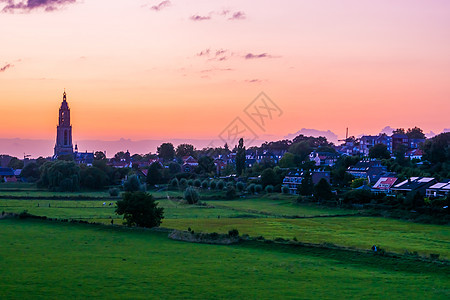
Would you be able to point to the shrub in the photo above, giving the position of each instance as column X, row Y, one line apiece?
column 251, row 188
column 220, row 185
column 233, row 233
column 197, row 183
column 258, row 188
column 190, row 182
column 240, row 186
column 174, row 183
column 205, row 184
column 191, row 195
column 132, row 184
column 183, row 182
column 269, row 189
column 285, row 190
column 213, row 184
column 231, row 192
column 113, row 192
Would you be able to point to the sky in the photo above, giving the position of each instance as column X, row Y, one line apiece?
column 193, row 69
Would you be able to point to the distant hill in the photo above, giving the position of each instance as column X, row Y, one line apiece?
column 331, row 136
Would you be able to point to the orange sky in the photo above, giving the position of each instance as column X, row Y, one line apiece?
column 133, row 71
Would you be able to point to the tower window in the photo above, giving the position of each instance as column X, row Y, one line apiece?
column 66, row 138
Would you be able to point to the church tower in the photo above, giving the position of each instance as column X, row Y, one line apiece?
column 64, row 130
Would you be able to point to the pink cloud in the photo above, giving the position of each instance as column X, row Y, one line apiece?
column 161, row 5
column 29, row 5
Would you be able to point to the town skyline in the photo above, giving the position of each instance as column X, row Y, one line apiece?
column 161, row 70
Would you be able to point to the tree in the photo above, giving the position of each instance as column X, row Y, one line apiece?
column 206, row 164
column 191, row 195
column 185, row 150
column 60, row 175
column 379, row 151
column 154, row 175
column 93, row 178
column 166, row 151
column 415, row 133
column 31, row 172
column 132, row 184
column 268, row 177
column 399, row 131
column 437, row 149
column 231, row 192
column 140, row 209
column 15, row 163
column 322, row 190
column 288, row 160
column 302, row 149
column 306, row 187
column 240, row 157
column 99, row 155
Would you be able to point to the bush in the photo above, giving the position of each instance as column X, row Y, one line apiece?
column 269, row 189
column 231, row 192
column 132, row 184
column 240, row 186
column 258, row 188
column 197, row 183
column 213, row 184
column 174, row 183
column 233, row 233
column 183, row 182
column 285, row 190
column 251, row 188
column 191, row 195
column 220, row 185
column 113, row 192
column 190, row 182
column 205, row 184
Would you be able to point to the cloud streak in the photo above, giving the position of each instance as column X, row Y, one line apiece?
column 4, row 68
column 200, row 18
column 31, row 5
column 161, row 5
column 239, row 15
column 256, row 56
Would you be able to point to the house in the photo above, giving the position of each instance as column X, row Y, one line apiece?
column 414, row 154
column 414, row 184
column 415, row 143
column 220, row 165
column 7, row 175
column 384, row 185
column 365, row 143
column 84, row 157
column 189, row 160
column 367, row 169
column 294, row 178
column 399, row 139
column 323, row 158
column 440, row 189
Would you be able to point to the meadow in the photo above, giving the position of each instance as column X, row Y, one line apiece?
column 43, row 259
column 270, row 216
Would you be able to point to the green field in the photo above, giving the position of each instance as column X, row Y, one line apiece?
column 42, row 260
column 260, row 216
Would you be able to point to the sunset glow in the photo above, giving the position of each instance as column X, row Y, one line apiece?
column 186, row 69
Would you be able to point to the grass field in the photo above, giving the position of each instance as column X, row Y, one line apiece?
column 42, row 260
column 358, row 232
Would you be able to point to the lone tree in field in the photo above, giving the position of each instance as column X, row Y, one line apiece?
column 140, row 209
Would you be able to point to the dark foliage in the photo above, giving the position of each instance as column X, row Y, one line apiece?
column 140, row 209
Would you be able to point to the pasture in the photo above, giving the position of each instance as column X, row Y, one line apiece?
column 42, row 259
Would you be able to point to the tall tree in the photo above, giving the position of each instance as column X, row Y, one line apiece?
column 154, row 174
column 399, row 131
column 302, row 149
column 185, row 150
column 322, row 190
column 306, row 187
column 415, row 133
column 240, row 157
column 15, row 163
column 166, row 151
